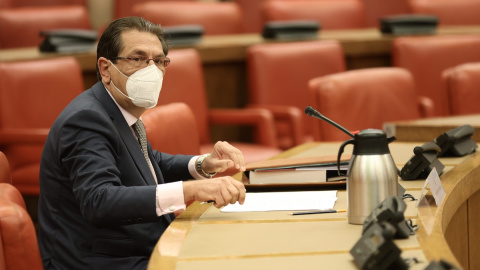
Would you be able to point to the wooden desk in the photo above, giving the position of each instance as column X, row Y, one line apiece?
column 425, row 130
column 204, row 238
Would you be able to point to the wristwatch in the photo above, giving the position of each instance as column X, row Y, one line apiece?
column 199, row 169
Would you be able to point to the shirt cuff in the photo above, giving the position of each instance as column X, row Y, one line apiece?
column 192, row 168
column 170, row 198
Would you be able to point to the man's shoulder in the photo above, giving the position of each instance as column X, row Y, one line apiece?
column 85, row 103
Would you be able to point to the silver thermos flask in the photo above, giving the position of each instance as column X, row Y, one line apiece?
column 372, row 175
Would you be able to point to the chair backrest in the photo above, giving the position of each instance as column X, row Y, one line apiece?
column 38, row 3
column 5, row 3
column 172, row 129
column 463, row 88
column 5, row 174
column 217, row 18
column 17, row 232
column 376, row 9
column 124, row 8
column 296, row 63
column 184, row 82
column 427, row 57
column 458, row 12
column 363, row 98
column 21, row 26
column 32, row 95
column 331, row 14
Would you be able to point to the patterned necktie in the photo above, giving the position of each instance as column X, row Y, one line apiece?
column 142, row 137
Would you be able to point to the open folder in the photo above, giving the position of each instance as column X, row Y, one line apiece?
column 318, row 169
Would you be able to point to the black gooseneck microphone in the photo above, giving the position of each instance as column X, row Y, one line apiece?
column 310, row 111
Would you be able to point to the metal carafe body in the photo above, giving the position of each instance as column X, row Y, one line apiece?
column 372, row 175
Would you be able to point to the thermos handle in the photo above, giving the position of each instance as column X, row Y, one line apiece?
column 340, row 152
column 391, row 139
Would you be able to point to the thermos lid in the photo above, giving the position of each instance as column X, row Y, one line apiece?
column 371, row 142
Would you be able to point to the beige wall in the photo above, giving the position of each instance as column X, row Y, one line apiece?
column 101, row 12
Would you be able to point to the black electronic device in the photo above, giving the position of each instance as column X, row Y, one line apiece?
column 408, row 24
column 375, row 250
column 422, row 163
column 390, row 210
column 68, row 40
column 291, row 30
column 440, row 265
column 457, row 142
column 183, row 34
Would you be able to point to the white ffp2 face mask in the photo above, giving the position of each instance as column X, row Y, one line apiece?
column 143, row 87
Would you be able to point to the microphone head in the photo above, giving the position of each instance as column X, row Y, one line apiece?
column 310, row 111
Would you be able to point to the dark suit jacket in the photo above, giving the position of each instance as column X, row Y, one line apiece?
column 97, row 194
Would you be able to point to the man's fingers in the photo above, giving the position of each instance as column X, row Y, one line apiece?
column 241, row 191
column 234, row 192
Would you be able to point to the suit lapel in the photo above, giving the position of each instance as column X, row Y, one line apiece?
column 125, row 132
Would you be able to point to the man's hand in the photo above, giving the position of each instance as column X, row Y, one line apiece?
column 223, row 157
column 221, row 190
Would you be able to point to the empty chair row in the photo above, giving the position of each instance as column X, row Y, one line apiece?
column 25, row 19
column 252, row 14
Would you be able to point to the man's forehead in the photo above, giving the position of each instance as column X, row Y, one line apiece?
column 135, row 41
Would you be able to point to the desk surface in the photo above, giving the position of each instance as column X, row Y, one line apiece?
column 425, row 130
column 205, row 238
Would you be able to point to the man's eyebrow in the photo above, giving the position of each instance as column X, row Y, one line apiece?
column 141, row 52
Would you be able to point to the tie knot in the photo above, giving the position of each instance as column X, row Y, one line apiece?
column 139, row 128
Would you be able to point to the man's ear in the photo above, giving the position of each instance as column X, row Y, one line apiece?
column 103, row 65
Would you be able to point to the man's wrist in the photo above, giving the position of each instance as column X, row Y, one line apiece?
column 199, row 169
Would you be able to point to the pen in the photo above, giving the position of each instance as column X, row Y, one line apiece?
column 318, row 212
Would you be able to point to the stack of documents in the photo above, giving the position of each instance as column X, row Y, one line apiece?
column 318, row 169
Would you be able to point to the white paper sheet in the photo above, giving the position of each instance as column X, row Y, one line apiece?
column 283, row 201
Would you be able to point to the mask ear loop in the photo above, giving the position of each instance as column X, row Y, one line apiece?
column 115, row 85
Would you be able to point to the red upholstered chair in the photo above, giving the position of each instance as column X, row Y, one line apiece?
column 171, row 128
column 38, row 3
column 217, row 18
column 5, row 174
column 184, row 82
column 427, row 57
column 19, row 244
column 463, row 88
column 20, row 27
column 124, row 8
column 376, row 9
column 5, row 3
column 449, row 12
column 295, row 63
column 364, row 98
column 32, row 95
column 331, row 14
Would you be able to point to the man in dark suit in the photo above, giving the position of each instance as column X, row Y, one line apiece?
column 105, row 196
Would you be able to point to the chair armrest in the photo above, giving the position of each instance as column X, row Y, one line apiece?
column 261, row 119
column 23, row 136
column 292, row 116
column 426, row 107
